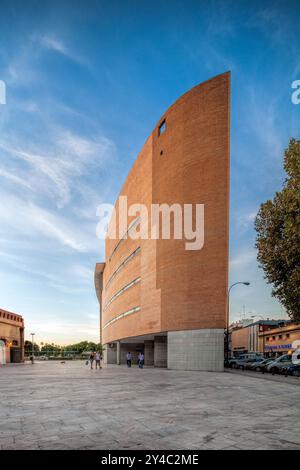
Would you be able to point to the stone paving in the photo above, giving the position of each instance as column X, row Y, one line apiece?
column 67, row 406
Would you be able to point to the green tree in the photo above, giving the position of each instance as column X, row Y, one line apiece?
column 28, row 347
column 51, row 348
column 84, row 346
column 278, row 236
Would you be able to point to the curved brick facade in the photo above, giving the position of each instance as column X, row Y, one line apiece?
column 159, row 285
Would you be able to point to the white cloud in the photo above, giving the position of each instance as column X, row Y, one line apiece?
column 245, row 221
column 31, row 220
column 53, row 43
column 243, row 259
column 14, row 178
column 54, row 168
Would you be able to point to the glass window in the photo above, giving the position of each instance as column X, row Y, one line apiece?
column 121, row 291
column 129, row 258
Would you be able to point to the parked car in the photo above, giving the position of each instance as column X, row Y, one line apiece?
column 42, row 358
column 278, row 366
column 230, row 362
column 244, row 362
column 293, row 369
column 253, row 364
column 261, row 365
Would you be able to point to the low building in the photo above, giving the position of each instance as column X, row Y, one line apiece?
column 11, row 337
column 280, row 340
column 245, row 339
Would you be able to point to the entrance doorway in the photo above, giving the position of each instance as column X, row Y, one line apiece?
column 2, row 353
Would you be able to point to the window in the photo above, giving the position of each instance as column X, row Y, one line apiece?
column 268, row 338
column 129, row 258
column 121, row 291
column 162, row 127
column 131, row 226
column 122, row 315
column 280, row 336
column 287, row 335
column 274, row 337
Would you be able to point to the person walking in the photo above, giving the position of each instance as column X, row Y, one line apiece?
column 141, row 360
column 129, row 359
column 98, row 360
column 92, row 357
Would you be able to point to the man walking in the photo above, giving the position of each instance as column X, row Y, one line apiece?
column 129, row 358
column 141, row 360
column 98, row 360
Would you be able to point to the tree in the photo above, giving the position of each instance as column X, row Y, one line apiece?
column 278, row 236
column 28, row 347
column 50, row 348
column 84, row 346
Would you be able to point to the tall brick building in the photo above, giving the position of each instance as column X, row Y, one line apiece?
column 155, row 295
column 11, row 337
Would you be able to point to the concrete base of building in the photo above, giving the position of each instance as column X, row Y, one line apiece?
column 110, row 353
column 182, row 350
column 196, row 350
column 160, row 351
column 149, row 353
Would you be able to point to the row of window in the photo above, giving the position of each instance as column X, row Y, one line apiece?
column 131, row 226
column 129, row 258
column 9, row 316
column 269, row 338
column 122, row 315
column 121, row 291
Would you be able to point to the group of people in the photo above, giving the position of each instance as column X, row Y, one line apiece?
column 95, row 356
column 141, row 359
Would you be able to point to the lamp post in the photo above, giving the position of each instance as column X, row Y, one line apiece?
column 246, row 283
column 263, row 333
column 32, row 346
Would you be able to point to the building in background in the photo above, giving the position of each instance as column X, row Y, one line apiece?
column 11, row 337
column 155, row 295
column 249, row 338
column 278, row 341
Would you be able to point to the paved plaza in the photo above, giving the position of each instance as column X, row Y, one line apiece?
column 67, row 406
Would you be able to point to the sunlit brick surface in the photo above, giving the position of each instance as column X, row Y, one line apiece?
column 187, row 164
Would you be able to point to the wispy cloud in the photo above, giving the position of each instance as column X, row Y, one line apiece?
column 53, row 43
column 14, row 178
column 55, row 173
column 243, row 259
column 29, row 220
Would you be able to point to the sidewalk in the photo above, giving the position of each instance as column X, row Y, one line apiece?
column 68, row 406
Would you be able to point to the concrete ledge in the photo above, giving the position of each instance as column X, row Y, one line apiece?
column 196, row 350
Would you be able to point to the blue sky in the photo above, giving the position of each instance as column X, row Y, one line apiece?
column 86, row 83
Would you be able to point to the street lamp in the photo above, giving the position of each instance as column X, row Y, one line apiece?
column 246, row 283
column 32, row 346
